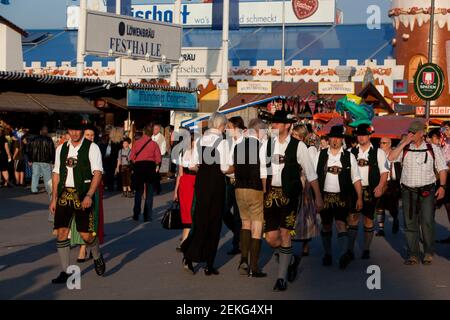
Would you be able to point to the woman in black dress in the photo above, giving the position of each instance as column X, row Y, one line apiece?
column 212, row 158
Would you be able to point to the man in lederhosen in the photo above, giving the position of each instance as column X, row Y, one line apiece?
column 286, row 157
column 374, row 174
column 250, row 173
column 76, row 176
column 390, row 199
column 340, row 184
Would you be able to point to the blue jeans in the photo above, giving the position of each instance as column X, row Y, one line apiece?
column 148, row 205
column 418, row 213
column 41, row 169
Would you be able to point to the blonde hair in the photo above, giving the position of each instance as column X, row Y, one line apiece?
column 301, row 130
column 116, row 134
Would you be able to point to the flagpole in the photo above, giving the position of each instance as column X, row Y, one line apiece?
column 81, row 39
column 225, row 32
column 430, row 54
column 176, row 20
column 283, row 44
column 174, row 68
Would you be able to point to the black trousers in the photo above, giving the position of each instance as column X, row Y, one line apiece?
column 231, row 216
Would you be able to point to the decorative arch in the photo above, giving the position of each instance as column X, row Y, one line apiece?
column 414, row 64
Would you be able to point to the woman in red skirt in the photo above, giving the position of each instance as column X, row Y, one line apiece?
column 184, row 188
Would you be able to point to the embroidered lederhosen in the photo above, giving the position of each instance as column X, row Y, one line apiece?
column 280, row 203
column 369, row 200
column 68, row 207
column 336, row 205
column 279, row 210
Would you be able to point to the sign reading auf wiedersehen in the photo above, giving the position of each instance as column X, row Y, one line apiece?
column 196, row 62
column 158, row 99
column 120, row 36
column 429, row 81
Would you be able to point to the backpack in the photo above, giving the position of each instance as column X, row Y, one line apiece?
column 429, row 148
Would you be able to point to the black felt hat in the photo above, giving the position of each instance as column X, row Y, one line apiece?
column 337, row 132
column 363, row 130
column 75, row 122
column 280, row 116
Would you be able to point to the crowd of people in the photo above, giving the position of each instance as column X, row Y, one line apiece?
column 273, row 179
column 290, row 186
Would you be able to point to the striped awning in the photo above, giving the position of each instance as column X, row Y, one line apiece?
column 50, row 79
column 41, row 102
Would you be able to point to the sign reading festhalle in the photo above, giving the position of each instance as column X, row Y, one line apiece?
column 429, row 81
column 158, row 99
column 113, row 35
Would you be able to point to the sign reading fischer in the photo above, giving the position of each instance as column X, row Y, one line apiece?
column 112, row 35
column 429, row 81
column 170, row 100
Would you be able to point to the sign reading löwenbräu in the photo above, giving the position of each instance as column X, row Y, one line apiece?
column 169, row 100
column 429, row 81
column 113, row 35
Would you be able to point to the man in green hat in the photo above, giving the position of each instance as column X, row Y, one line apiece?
column 76, row 176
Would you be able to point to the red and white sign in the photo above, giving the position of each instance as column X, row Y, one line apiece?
column 304, row 8
column 428, row 78
column 434, row 111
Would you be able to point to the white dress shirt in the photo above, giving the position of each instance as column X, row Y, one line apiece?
column 185, row 160
column 313, row 152
column 234, row 143
column 95, row 159
column 390, row 166
column 417, row 173
column 332, row 180
column 364, row 171
column 303, row 159
column 161, row 141
column 208, row 140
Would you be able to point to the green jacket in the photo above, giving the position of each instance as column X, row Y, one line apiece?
column 82, row 173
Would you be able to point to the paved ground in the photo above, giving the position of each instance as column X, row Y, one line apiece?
column 142, row 262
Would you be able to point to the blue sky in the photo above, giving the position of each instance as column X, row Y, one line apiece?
column 51, row 14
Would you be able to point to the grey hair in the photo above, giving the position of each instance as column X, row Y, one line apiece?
column 216, row 120
column 257, row 124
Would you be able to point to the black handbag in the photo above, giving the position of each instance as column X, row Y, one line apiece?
column 172, row 217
